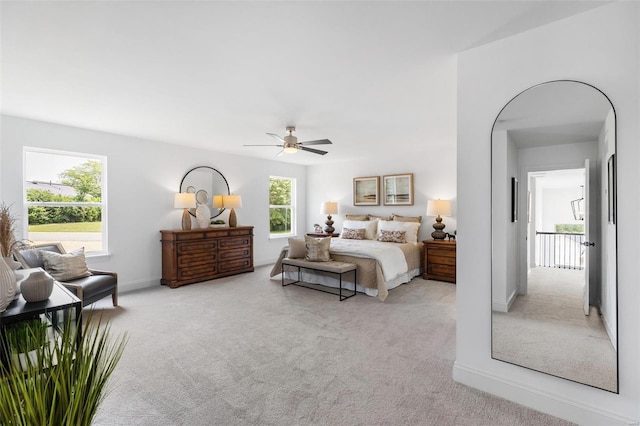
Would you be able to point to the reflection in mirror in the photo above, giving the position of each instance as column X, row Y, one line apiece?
column 205, row 182
column 553, row 277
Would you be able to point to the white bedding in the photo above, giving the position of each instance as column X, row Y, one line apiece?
column 389, row 256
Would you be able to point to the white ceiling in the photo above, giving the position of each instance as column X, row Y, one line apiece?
column 218, row 75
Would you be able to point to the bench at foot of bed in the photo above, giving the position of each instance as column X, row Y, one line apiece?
column 338, row 268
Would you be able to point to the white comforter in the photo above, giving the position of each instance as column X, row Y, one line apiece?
column 390, row 257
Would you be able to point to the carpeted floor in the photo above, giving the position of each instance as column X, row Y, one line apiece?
column 245, row 351
column 547, row 330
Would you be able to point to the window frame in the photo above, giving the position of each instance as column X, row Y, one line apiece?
column 292, row 206
column 102, row 204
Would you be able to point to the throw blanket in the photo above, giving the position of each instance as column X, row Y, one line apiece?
column 388, row 255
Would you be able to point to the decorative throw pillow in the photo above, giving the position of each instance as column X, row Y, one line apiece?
column 372, row 217
column 353, row 234
column 410, row 228
column 297, row 248
column 357, row 217
column 392, row 236
column 68, row 266
column 407, row 218
column 317, row 249
column 370, row 227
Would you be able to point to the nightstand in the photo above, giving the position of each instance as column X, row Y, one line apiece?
column 440, row 260
column 321, row 234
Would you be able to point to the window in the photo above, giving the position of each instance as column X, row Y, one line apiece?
column 281, row 206
column 65, row 198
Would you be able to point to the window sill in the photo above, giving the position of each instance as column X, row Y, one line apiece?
column 99, row 256
column 280, row 237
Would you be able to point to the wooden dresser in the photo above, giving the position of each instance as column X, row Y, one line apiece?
column 203, row 254
column 440, row 260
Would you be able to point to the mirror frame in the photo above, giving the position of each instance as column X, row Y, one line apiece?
column 614, row 203
column 192, row 212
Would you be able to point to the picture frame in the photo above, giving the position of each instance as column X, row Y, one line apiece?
column 366, row 191
column 611, row 190
column 398, row 189
column 514, row 199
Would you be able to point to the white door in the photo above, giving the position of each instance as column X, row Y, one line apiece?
column 587, row 244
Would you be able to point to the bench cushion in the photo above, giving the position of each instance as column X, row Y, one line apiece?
column 332, row 266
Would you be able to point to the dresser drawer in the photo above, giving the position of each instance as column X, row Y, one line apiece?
column 200, row 271
column 442, row 270
column 197, row 247
column 235, row 242
column 234, row 254
column 197, row 259
column 235, row 264
column 441, row 251
column 438, row 258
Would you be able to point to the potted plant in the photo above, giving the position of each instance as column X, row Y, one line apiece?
column 8, row 240
column 66, row 383
column 25, row 340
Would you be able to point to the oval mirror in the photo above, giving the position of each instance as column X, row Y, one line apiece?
column 205, row 182
column 554, row 263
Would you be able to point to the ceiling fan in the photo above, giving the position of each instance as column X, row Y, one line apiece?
column 290, row 144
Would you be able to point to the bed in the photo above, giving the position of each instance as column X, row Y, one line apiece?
column 381, row 265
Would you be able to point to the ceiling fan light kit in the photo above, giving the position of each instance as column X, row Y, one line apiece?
column 290, row 144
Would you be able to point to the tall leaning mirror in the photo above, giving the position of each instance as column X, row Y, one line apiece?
column 554, row 292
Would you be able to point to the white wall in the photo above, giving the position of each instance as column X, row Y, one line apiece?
column 607, row 294
column 142, row 178
column 599, row 47
column 505, row 244
column 433, row 174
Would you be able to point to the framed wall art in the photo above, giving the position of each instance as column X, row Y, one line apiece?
column 398, row 189
column 366, row 191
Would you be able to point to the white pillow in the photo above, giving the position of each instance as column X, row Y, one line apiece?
column 410, row 228
column 370, row 227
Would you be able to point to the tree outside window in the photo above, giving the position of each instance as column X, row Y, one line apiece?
column 281, row 206
column 65, row 199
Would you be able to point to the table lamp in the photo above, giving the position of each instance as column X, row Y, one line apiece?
column 438, row 208
column 186, row 201
column 230, row 202
column 329, row 208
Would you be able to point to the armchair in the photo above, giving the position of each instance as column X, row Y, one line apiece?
column 88, row 289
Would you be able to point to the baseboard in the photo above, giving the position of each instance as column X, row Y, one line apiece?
column 137, row 285
column 612, row 336
column 541, row 400
column 504, row 307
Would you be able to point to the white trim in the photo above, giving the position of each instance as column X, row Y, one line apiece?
column 542, row 400
column 504, row 307
column 612, row 335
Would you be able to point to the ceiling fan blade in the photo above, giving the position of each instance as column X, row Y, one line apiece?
column 316, row 142
column 277, row 137
column 315, row 151
column 280, row 153
column 263, row 145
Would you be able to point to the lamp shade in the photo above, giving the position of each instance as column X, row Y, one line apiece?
column 438, row 208
column 227, row 201
column 217, row 201
column 184, row 200
column 232, row 201
column 329, row 207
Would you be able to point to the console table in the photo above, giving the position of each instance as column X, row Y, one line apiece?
column 195, row 255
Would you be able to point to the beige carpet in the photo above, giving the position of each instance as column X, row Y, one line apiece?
column 547, row 330
column 245, row 351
